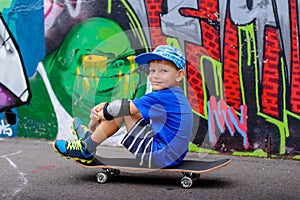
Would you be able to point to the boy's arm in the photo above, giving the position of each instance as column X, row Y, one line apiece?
column 133, row 109
column 117, row 108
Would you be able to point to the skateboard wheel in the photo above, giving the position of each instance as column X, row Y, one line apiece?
column 102, row 177
column 186, row 182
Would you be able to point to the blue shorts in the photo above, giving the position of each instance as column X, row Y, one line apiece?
column 139, row 141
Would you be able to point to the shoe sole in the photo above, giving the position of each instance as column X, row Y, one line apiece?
column 68, row 157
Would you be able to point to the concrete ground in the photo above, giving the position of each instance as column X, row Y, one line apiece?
column 30, row 169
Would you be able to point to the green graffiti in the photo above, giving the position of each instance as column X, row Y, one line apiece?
column 196, row 149
column 257, row 153
column 250, row 35
column 5, row 4
column 135, row 24
column 80, row 78
column 173, row 42
column 211, row 71
column 282, row 125
column 37, row 120
column 92, row 66
column 212, row 81
column 109, row 4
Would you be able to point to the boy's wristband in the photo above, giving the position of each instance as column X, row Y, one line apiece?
column 116, row 108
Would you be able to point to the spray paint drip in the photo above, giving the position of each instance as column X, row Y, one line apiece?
column 93, row 66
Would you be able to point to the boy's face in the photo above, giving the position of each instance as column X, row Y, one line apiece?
column 164, row 74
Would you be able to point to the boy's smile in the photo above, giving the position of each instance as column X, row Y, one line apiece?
column 164, row 74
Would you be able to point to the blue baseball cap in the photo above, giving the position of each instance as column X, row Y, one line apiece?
column 162, row 52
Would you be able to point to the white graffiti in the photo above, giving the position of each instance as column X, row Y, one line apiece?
column 52, row 10
column 273, row 13
column 73, row 11
column 5, row 129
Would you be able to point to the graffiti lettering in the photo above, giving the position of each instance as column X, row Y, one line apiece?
column 5, row 129
column 242, row 59
column 223, row 115
column 182, row 24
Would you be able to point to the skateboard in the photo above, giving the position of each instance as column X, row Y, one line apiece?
column 191, row 169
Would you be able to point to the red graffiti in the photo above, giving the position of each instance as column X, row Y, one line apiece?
column 295, row 60
column 231, row 79
column 154, row 10
column 269, row 97
column 223, row 115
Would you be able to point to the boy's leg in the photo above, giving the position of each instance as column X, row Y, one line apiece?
column 85, row 151
column 80, row 131
column 139, row 140
column 106, row 129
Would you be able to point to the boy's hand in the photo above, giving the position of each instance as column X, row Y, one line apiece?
column 99, row 111
column 96, row 116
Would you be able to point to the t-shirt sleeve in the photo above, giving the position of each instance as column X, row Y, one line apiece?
column 149, row 106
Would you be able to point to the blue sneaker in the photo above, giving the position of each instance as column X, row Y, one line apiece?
column 76, row 149
column 79, row 130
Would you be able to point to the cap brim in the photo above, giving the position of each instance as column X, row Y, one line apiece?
column 145, row 58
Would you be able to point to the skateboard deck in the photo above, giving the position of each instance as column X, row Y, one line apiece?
column 191, row 169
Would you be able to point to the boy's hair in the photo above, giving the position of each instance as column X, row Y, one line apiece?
column 165, row 62
column 162, row 52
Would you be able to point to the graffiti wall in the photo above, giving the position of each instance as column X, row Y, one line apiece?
column 243, row 68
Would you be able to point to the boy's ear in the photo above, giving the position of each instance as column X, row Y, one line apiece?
column 180, row 75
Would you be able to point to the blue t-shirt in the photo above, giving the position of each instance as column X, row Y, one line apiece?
column 171, row 120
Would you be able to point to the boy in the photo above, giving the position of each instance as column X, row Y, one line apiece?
column 159, row 124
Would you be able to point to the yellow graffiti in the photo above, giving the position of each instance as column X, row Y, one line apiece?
column 131, row 74
column 93, row 66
